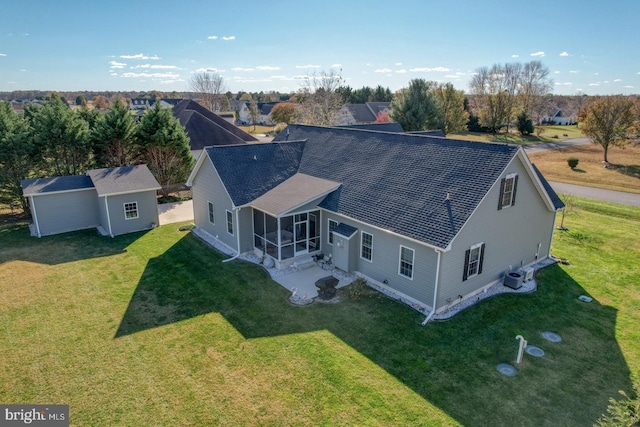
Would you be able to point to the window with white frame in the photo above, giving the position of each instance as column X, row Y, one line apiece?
column 473, row 259
column 131, row 210
column 366, row 246
column 406, row 262
column 212, row 217
column 332, row 226
column 508, row 187
column 230, row 222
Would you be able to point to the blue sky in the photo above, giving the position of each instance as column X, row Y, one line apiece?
column 589, row 47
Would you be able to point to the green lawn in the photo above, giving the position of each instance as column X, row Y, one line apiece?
column 152, row 329
column 550, row 134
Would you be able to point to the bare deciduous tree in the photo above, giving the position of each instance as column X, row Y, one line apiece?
column 209, row 86
column 320, row 99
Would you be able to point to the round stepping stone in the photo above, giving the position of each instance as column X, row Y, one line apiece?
column 534, row 351
column 551, row 336
column 506, row 369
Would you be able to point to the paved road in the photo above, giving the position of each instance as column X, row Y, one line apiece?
column 569, row 142
column 597, row 193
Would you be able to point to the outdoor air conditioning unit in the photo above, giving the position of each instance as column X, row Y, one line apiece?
column 528, row 273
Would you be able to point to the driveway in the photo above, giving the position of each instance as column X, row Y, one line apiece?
column 175, row 212
column 569, row 142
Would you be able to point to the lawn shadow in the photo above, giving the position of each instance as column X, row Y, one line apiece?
column 448, row 363
column 578, row 170
column 629, row 170
column 17, row 244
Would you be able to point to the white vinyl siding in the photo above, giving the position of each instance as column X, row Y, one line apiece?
column 405, row 266
column 131, row 210
column 366, row 246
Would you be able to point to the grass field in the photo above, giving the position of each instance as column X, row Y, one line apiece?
column 622, row 175
column 152, row 329
column 550, row 134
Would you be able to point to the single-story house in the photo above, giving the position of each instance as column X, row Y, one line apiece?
column 432, row 220
column 206, row 128
column 559, row 118
column 363, row 113
column 115, row 201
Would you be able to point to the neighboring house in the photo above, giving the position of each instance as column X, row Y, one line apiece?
column 559, row 118
column 206, row 128
column 430, row 219
column 362, row 113
column 383, row 127
column 115, row 201
column 241, row 108
column 265, row 112
column 140, row 105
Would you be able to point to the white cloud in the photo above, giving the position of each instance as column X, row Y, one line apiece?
column 556, row 72
column 241, row 69
column 427, row 70
column 166, row 82
column 515, row 55
column 382, row 70
column 539, row 53
column 156, row 67
column 208, row 70
column 267, row 68
column 307, row 66
column 212, row 37
column 3, row 54
column 152, row 75
column 336, row 65
column 617, row 80
column 398, row 64
column 115, row 64
column 139, row 56
column 628, row 87
column 594, row 84
column 452, row 76
column 564, row 54
column 228, row 37
column 401, row 71
column 574, row 71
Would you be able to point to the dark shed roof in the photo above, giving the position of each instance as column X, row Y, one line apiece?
column 55, row 185
column 129, row 179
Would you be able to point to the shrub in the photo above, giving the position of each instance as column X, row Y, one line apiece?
column 357, row 287
column 573, row 162
column 525, row 125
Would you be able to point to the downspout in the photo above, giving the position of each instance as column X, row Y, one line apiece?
column 237, row 210
column 106, row 206
column 555, row 214
column 435, row 291
column 35, row 216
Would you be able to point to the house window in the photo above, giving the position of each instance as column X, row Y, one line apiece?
column 131, row 210
column 508, row 187
column 473, row 259
column 406, row 262
column 366, row 246
column 230, row 222
column 212, row 217
column 332, row 226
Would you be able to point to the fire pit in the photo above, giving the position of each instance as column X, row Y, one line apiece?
column 327, row 287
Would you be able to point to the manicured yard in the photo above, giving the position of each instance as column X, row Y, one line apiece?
column 152, row 329
column 622, row 175
column 550, row 134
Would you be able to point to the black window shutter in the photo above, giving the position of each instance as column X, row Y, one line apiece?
column 515, row 187
column 466, row 265
column 501, row 193
column 481, row 259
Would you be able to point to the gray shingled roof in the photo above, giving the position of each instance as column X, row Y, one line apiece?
column 54, row 185
column 395, row 181
column 399, row 182
column 380, row 127
column 127, row 179
column 345, row 230
column 555, row 199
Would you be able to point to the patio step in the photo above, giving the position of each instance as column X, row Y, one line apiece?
column 304, row 263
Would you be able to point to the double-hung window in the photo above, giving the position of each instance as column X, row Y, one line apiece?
column 366, row 246
column 131, row 210
column 473, row 259
column 332, row 226
column 230, row 222
column 406, row 262
column 508, row 187
column 212, row 217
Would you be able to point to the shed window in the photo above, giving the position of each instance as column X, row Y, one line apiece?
column 131, row 210
column 332, row 226
column 508, row 187
column 473, row 259
column 406, row 262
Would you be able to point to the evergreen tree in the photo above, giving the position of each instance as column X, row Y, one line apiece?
column 114, row 137
column 415, row 107
column 164, row 146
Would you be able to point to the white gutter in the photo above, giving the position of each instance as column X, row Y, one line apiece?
column 237, row 210
column 35, row 216
column 435, row 291
column 106, row 206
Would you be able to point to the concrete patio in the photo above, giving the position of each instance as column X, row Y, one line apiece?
column 304, row 280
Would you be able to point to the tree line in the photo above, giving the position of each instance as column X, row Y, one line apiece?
column 53, row 140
